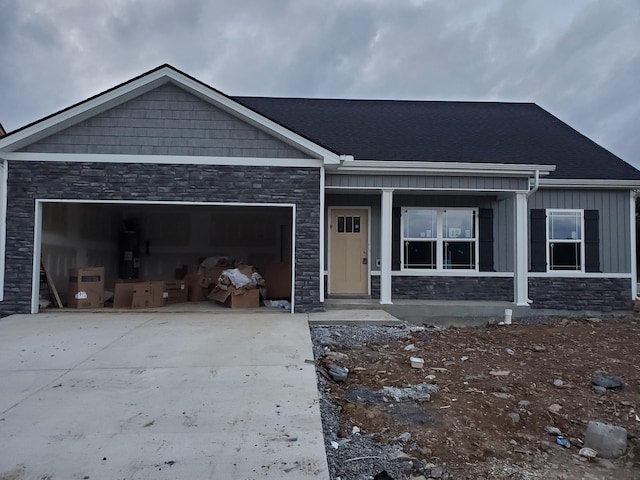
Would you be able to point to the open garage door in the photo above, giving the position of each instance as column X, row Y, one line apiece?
column 162, row 242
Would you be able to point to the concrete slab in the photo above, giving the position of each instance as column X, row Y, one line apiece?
column 353, row 317
column 142, row 396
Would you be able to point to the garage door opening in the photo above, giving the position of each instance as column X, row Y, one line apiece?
column 161, row 243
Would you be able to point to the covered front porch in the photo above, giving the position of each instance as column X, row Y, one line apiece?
column 397, row 238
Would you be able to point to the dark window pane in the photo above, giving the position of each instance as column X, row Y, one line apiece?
column 340, row 224
column 459, row 255
column 419, row 254
column 349, row 224
column 356, row 224
column 564, row 256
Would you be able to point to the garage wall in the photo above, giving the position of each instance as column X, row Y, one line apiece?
column 153, row 182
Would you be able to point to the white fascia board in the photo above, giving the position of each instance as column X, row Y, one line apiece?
column 83, row 111
column 146, row 83
column 589, row 183
column 162, row 159
column 441, row 168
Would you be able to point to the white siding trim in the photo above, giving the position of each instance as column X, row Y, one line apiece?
column 426, row 189
column 162, row 159
column 3, row 224
column 322, row 234
column 37, row 234
column 568, row 274
column 588, row 183
column 632, row 230
column 448, row 273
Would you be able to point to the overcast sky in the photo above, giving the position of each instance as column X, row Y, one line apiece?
column 578, row 59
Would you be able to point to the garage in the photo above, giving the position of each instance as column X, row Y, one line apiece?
column 163, row 242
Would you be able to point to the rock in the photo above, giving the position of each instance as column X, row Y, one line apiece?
column 588, row 452
column 515, row 417
column 558, row 383
column 609, row 441
column 554, row 408
column 404, row 437
column 410, row 347
column 539, row 348
column 355, row 431
column 499, row 373
column 563, row 442
column 419, row 393
column 505, row 396
column 545, row 446
column 524, row 404
column 335, row 445
column 339, row 374
column 336, row 356
column 436, row 472
column 608, row 381
column 464, row 358
column 552, row 430
column 509, row 351
column 599, row 389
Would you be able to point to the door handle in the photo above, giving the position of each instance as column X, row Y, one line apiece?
column 365, row 261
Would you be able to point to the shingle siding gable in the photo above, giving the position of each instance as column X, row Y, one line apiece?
column 166, row 121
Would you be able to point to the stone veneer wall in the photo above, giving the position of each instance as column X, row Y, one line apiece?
column 599, row 294
column 156, row 182
column 452, row 288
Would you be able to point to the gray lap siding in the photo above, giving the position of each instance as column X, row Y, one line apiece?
column 154, row 182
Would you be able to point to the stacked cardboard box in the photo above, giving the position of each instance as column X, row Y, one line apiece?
column 136, row 294
column 175, row 292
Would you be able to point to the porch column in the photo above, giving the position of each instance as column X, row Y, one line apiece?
column 386, row 246
column 521, row 252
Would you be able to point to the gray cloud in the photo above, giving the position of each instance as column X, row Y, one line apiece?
column 579, row 59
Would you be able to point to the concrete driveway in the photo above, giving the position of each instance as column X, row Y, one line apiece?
column 158, row 396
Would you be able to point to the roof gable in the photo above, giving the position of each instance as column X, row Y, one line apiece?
column 166, row 121
column 49, row 126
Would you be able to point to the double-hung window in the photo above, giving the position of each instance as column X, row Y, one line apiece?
column 439, row 239
column 565, row 240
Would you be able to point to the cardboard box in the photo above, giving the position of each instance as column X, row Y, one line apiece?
column 236, row 298
column 86, row 287
column 195, row 292
column 137, row 294
column 277, row 278
column 148, row 295
column 123, row 293
column 175, row 292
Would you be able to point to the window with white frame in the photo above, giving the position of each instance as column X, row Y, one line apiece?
column 565, row 240
column 439, row 239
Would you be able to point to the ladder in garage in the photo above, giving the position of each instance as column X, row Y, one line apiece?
column 47, row 281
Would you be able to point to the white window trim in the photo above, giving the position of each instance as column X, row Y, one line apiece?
column 439, row 239
column 550, row 211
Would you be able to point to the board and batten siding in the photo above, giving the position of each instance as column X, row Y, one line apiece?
column 166, row 121
column 426, row 182
column 614, row 224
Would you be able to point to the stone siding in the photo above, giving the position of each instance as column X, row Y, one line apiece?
column 598, row 294
column 155, row 182
column 452, row 288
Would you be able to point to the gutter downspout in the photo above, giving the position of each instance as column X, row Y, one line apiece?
column 536, row 184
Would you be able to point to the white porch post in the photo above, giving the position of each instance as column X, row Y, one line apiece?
column 385, row 247
column 632, row 230
column 521, row 251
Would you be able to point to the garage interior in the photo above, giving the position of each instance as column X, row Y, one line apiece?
column 164, row 239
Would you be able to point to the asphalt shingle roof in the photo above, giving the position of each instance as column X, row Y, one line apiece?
column 483, row 132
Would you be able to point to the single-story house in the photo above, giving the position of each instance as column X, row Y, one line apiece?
column 388, row 199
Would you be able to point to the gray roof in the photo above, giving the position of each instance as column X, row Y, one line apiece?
column 477, row 132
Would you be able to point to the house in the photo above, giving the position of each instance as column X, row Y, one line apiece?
column 388, row 199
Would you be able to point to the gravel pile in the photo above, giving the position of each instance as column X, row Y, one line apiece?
column 358, row 456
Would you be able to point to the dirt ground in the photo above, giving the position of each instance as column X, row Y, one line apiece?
column 495, row 396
